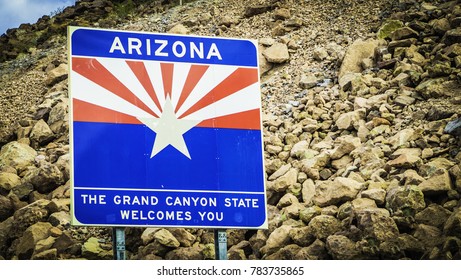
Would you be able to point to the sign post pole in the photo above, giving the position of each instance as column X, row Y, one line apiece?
column 220, row 244
column 118, row 243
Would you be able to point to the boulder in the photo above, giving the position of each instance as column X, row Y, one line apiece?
column 92, row 250
column 388, row 27
column 277, row 239
column 30, row 238
column 277, row 53
column 17, row 155
column 403, row 33
column 407, row 198
column 179, row 29
column 166, row 238
column 6, row 208
column 438, row 183
column 316, row 251
column 41, row 134
column 356, row 53
column 8, row 181
column 377, row 226
column 46, row 178
column 452, row 226
column 342, row 248
column 185, row 238
column 323, row 226
column 337, row 191
column 57, row 74
column 186, row 253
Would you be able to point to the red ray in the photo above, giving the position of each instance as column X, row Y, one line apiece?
column 243, row 120
column 239, row 79
column 140, row 71
column 87, row 112
column 94, row 71
column 167, row 76
column 196, row 72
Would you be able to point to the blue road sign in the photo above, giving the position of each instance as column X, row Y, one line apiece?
column 165, row 130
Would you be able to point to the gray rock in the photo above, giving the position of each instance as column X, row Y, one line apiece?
column 452, row 226
column 300, row 150
column 440, row 182
column 316, row 251
column 355, row 54
column 322, row 226
column 308, row 213
column 452, row 36
column 389, row 26
column 378, row 195
column 61, row 218
column 338, row 191
column 277, row 53
column 286, row 253
column 377, row 226
column 308, row 81
column 350, row 119
column 185, row 238
column 57, row 75
column 342, row 248
column 8, row 181
column 6, row 208
column 404, row 33
column 186, row 253
column 320, row 54
column 166, row 238
column 58, row 115
column 433, row 166
column 434, row 215
column 280, row 172
column 17, row 155
column 453, row 127
column 430, row 236
column 362, row 203
column 92, row 250
column 345, row 145
column 41, row 133
column 29, row 215
column 288, row 179
column 50, row 254
column 178, row 29
column 405, row 161
column 308, row 191
column 31, row 236
column 264, row 65
column 277, row 239
column 405, row 198
column 45, row 178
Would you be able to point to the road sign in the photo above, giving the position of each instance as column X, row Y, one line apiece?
column 165, row 130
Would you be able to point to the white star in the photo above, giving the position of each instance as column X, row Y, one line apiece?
column 169, row 130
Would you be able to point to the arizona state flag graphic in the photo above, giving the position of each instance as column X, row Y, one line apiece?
column 165, row 130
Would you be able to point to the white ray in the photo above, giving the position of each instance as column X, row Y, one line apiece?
column 180, row 72
column 88, row 91
column 214, row 75
column 155, row 75
column 125, row 75
column 240, row 101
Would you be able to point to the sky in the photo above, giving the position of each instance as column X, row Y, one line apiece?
column 15, row 12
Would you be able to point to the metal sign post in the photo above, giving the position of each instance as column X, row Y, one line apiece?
column 220, row 244
column 118, row 243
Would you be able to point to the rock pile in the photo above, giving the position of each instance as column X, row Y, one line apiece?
column 356, row 98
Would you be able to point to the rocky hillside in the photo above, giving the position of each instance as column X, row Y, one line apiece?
column 360, row 98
